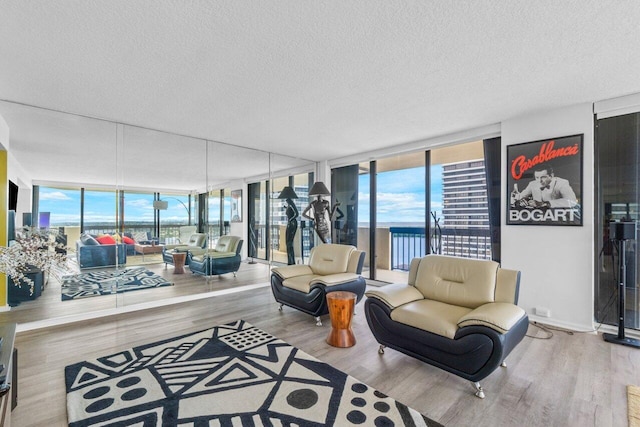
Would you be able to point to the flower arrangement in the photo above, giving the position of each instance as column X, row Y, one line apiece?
column 32, row 249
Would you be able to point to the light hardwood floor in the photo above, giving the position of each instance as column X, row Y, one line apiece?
column 568, row 380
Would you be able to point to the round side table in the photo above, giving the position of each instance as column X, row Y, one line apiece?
column 341, row 306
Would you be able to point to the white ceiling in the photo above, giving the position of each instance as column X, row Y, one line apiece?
column 314, row 79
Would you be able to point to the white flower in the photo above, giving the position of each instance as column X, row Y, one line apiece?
column 31, row 249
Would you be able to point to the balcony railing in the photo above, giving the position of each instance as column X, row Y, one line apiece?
column 410, row 242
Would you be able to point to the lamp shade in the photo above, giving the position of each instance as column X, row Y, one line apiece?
column 287, row 193
column 319, row 189
column 161, row 205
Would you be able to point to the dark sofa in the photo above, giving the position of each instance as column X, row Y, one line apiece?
column 91, row 254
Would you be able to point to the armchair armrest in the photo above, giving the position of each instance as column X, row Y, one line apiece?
column 334, row 279
column 289, row 271
column 395, row 295
column 499, row 316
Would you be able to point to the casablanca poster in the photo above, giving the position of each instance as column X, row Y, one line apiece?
column 544, row 182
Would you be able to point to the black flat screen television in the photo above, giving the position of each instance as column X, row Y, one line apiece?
column 13, row 196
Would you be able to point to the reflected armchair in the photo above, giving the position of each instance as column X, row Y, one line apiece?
column 224, row 258
column 196, row 241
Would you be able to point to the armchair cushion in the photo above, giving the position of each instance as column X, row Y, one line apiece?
column 499, row 316
column 300, row 283
column 330, row 259
column 432, row 316
column 468, row 284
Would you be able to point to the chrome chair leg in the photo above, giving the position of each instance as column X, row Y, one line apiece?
column 318, row 321
column 479, row 391
column 381, row 349
column 503, row 364
column 280, row 307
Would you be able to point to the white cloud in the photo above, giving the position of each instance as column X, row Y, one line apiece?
column 54, row 195
column 139, row 203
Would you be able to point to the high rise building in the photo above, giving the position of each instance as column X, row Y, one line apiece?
column 465, row 213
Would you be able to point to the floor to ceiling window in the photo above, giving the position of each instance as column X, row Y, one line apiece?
column 459, row 203
column 179, row 212
column 258, row 205
column 617, row 186
column 139, row 213
column 393, row 198
column 400, row 214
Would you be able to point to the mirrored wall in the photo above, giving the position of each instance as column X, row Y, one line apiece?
column 137, row 192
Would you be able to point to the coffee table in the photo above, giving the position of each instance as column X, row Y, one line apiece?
column 147, row 249
column 341, row 306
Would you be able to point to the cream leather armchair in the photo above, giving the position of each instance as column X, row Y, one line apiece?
column 224, row 258
column 457, row 314
column 331, row 268
column 196, row 241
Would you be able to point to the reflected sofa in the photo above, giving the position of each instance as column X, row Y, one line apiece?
column 224, row 258
column 331, row 268
column 457, row 314
column 91, row 254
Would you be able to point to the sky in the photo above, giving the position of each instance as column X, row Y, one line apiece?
column 401, row 196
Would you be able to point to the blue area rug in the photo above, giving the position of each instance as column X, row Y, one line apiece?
column 109, row 282
column 229, row 375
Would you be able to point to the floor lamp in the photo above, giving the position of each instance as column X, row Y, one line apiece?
column 620, row 232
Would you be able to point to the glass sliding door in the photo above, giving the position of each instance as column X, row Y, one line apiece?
column 278, row 220
column 459, row 204
column 617, row 199
column 344, row 190
column 258, row 205
column 400, row 214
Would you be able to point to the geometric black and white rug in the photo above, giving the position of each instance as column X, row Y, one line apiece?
column 109, row 282
column 229, row 375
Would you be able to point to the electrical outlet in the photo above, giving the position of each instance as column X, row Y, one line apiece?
column 543, row 312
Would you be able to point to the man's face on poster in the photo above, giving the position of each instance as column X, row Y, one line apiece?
column 542, row 177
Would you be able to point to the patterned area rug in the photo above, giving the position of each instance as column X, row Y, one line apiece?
column 109, row 282
column 229, row 375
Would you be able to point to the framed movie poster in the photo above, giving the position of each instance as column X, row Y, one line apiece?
column 236, row 206
column 544, row 182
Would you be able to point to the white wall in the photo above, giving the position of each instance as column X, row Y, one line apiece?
column 556, row 262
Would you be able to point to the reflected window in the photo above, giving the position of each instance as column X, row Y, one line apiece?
column 99, row 212
column 63, row 205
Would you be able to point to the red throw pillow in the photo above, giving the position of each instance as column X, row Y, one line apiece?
column 106, row 240
column 128, row 240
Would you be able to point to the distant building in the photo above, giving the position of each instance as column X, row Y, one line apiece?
column 465, row 212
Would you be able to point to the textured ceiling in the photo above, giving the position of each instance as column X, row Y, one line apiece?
column 314, row 79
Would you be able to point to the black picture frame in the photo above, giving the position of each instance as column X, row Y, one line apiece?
column 544, row 182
